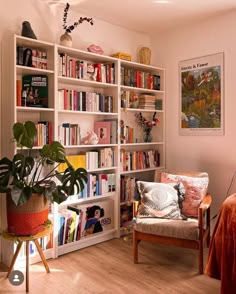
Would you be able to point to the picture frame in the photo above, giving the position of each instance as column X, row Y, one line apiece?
column 201, row 85
column 103, row 131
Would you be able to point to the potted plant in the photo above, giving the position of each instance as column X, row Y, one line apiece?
column 29, row 189
column 66, row 39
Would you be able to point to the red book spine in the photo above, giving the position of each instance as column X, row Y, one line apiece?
column 18, row 92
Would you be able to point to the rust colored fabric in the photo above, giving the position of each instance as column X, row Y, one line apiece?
column 221, row 263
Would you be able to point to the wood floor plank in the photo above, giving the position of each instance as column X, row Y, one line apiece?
column 108, row 268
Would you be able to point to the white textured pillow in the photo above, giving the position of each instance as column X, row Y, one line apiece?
column 158, row 200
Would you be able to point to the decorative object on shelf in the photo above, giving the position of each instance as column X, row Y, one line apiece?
column 65, row 40
column 90, row 139
column 146, row 125
column 26, row 177
column 145, row 55
column 95, row 49
column 27, row 30
column 122, row 55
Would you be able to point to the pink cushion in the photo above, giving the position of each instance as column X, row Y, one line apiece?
column 196, row 188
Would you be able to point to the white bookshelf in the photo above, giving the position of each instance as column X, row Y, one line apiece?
column 12, row 113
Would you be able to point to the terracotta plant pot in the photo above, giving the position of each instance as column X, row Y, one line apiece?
column 29, row 218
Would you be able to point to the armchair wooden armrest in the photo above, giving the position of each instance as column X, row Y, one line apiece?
column 206, row 202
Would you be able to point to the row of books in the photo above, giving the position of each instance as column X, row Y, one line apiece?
column 84, row 101
column 126, row 215
column 76, row 222
column 69, row 224
column 127, row 188
column 99, row 184
column 31, row 57
column 69, row 134
column 90, row 160
column 106, row 131
column 135, row 160
column 131, row 99
column 140, row 79
column 82, row 69
column 100, row 158
column 126, row 134
column 45, row 133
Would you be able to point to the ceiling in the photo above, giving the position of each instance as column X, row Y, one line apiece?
column 149, row 15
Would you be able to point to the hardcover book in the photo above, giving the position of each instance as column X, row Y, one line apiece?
column 97, row 218
column 103, row 131
column 35, row 89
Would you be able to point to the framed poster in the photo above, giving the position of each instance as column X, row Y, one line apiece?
column 202, row 95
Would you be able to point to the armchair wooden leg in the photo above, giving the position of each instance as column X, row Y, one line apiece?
column 200, row 258
column 135, row 248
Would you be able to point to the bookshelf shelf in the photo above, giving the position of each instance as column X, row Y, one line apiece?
column 82, row 82
column 106, row 85
column 141, row 90
column 72, row 112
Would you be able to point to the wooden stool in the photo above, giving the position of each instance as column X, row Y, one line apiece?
column 27, row 239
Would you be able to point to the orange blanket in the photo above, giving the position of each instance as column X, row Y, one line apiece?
column 221, row 263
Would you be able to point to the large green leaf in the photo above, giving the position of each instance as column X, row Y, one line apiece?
column 25, row 134
column 5, row 173
column 73, row 181
column 22, row 165
column 53, row 152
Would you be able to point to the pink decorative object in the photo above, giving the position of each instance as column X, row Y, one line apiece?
column 95, row 49
column 90, row 139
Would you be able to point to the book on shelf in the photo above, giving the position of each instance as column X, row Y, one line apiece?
column 114, row 130
column 97, row 217
column 31, row 57
column 103, row 131
column 35, row 89
column 76, row 161
column 19, row 93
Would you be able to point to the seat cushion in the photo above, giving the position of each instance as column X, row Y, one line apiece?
column 183, row 229
column 196, row 188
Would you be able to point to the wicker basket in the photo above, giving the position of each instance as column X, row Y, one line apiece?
column 145, row 55
column 29, row 218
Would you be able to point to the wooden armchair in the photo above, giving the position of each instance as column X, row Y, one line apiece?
column 191, row 233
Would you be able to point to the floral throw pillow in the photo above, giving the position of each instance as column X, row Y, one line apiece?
column 158, row 200
column 196, row 188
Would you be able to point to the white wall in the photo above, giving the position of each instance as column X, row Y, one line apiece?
column 214, row 154
column 47, row 25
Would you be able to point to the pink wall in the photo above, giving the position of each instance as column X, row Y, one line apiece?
column 214, row 154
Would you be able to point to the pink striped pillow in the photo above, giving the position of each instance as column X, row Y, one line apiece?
column 196, row 188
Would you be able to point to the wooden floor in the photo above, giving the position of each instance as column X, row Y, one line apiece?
column 108, row 268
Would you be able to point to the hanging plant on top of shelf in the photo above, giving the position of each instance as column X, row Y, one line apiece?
column 66, row 39
column 146, row 125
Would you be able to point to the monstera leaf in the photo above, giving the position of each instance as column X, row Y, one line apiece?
column 53, row 152
column 5, row 174
column 73, row 181
column 25, row 134
column 22, row 165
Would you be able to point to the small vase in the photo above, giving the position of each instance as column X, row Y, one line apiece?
column 147, row 136
column 66, row 40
